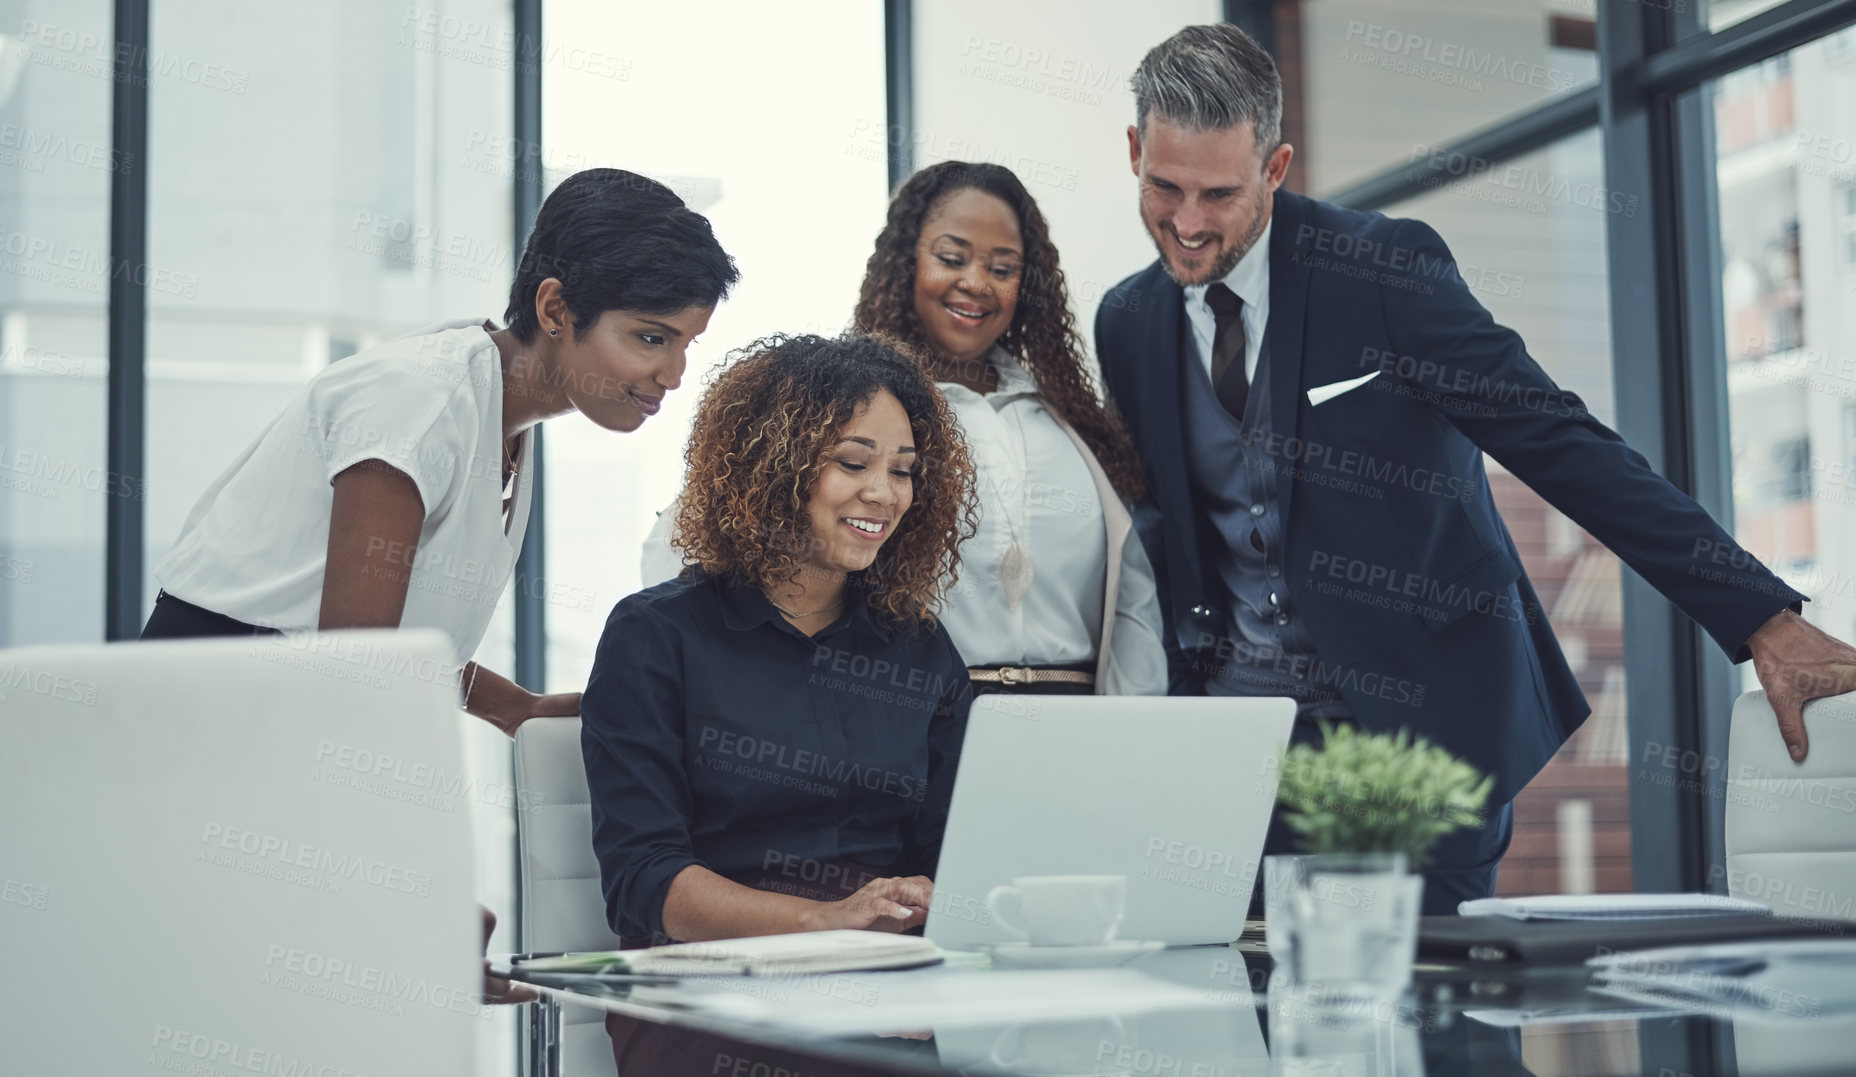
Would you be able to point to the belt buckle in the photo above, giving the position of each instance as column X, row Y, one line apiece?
column 1008, row 675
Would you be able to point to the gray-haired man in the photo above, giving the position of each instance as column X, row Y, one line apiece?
column 1313, row 390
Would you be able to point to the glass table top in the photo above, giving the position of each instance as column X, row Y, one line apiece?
column 1214, row 1012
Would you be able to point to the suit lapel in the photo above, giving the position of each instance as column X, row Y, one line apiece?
column 1288, row 299
column 1165, row 409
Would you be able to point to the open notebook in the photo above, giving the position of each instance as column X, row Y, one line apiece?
column 766, row 955
column 1609, row 906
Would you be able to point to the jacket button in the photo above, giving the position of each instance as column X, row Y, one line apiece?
column 1201, row 611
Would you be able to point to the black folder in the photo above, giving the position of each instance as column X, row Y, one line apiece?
column 1501, row 941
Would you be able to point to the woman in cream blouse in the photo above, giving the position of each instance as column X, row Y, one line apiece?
column 1055, row 593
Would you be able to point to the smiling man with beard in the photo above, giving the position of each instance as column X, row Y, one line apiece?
column 1280, row 345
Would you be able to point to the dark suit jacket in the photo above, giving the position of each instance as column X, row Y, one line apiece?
column 1395, row 555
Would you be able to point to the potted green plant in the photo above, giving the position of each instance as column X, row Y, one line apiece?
column 1364, row 792
column 1366, row 808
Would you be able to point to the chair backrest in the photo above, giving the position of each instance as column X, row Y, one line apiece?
column 255, row 840
column 1791, row 843
column 1791, row 827
column 563, row 908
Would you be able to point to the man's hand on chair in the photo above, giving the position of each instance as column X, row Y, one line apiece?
column 1797, row 662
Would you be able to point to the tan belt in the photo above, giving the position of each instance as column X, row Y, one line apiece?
column 1014, row 675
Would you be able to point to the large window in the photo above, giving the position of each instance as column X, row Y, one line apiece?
column 1049, row 99
column 1785, row 135
column 1390, row 81
column 55, row 170
column 792, row 174
column 1538, row 264
column 313, row 190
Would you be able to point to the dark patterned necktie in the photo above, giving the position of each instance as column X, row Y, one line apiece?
column 1229, row 378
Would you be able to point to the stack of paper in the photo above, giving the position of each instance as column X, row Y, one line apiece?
column 766, row 955
column 1592, row 907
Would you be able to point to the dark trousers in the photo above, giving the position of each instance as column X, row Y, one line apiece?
column 175, row 618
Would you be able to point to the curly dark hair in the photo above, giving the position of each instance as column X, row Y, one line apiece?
column 1043, row 331
column 763, row 430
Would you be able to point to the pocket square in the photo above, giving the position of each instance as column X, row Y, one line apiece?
column 1321, row 394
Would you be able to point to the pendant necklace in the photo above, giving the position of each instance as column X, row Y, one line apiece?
column 1017, row 568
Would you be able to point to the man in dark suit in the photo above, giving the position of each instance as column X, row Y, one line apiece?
column 1313, row 390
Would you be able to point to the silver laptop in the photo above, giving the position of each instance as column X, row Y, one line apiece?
column 1173, row 792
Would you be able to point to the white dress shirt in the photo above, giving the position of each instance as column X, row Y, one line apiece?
column 1250, row 279
column 429, row 404
column 1032, row 481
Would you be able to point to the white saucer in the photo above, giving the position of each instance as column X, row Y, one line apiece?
column 1023, row 955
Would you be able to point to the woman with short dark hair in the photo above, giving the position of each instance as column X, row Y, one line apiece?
column 393, row 491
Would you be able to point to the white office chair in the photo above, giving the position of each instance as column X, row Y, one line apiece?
column 236, row 855
column 563, row 909
column 1791, row 843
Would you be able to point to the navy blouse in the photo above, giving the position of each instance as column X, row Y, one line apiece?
column 716, row 733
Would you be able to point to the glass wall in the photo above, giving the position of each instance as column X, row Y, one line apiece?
column 1385, row 82
column 55, row 170
column 306, row 202
column 792, row 174
column 1538, row 263
column 1049, row 99
column 1785, row 137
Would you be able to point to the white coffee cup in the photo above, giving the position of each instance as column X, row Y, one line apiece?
column 1061, row 910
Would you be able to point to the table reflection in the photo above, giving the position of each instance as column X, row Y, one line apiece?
column 1235, row 1022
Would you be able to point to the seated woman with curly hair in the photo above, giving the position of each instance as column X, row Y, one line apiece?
column 770, row 738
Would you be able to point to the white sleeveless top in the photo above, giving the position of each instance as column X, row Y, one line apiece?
column 429, row 404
